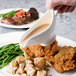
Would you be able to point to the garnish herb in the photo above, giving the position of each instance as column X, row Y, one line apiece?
column 8, row 14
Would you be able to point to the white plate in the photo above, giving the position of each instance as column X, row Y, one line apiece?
column 14, row 37
column 22, row 26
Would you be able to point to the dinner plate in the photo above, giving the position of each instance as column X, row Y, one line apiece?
column 20, row 26
column 14, row 37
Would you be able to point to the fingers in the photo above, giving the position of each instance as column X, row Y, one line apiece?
column 57, row 7
column 48, row 4
column 63, row 9
column 61, row 5
column 71, row 9
column 53, row 3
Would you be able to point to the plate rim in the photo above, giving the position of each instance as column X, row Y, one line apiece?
column 17, row 27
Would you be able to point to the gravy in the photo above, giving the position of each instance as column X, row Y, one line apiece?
column 34, row 32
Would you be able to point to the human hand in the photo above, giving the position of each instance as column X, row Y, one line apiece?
column 61, row 5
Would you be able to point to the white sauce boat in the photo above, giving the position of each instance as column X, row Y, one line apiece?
column 45, row 37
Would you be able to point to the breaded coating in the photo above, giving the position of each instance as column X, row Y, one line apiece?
column 47, row 52
column 34, row 51
column 65, row 59
column 40, row 51
column 51, row 52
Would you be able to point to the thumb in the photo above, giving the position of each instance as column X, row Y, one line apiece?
column 53, row 3
column 50, row 4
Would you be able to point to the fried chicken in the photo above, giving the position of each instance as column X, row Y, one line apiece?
column 61, row 58
column 65, row 59
column 40, row 51
column 34, row 51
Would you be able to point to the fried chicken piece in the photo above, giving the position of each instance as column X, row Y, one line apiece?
column 40, row 51
column 47, row 52
column 51, row 51
column 65, row 59
column 34, row 51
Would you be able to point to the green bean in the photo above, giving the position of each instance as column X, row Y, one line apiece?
column 1, row 66
column 8, row 53
column 6, row 46
column 2, row 57
column 6, row 49
column 5, row 59
column 1, row 62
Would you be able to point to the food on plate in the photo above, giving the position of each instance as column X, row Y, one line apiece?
column 34, row 63
column 20, row 17
column 41, row 73
column 40, row 63
column 61, row 58
column 40, row 51
column 65, row 59
column 28, row 66
column 17, row 65
column 8, row 14
column 8, row 53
